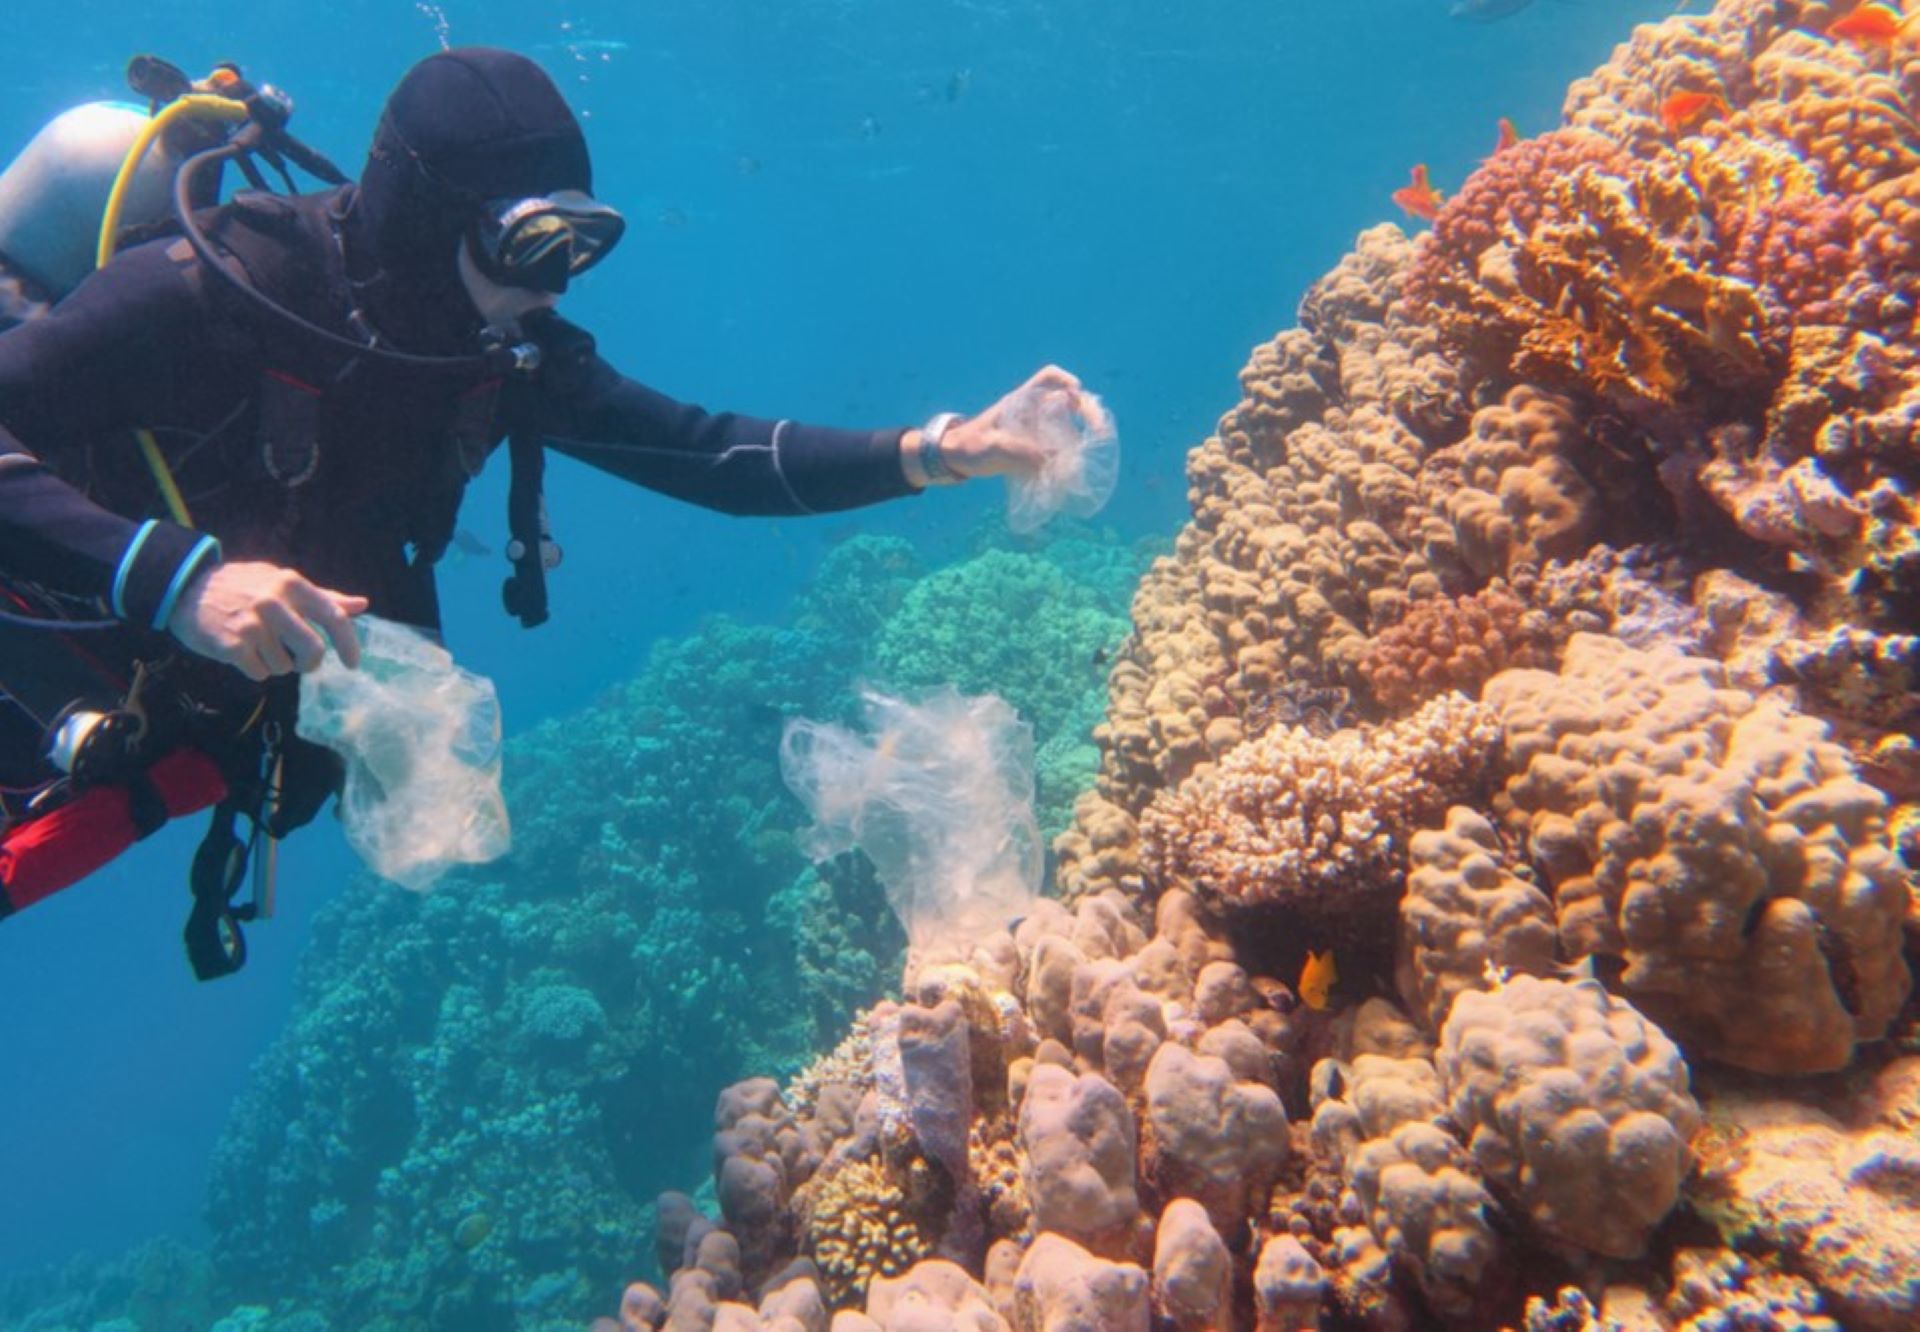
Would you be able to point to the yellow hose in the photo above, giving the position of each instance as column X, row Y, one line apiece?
column 197, row 105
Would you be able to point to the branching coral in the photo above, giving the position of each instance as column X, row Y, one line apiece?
column 1315, row 829
column 857, row 1229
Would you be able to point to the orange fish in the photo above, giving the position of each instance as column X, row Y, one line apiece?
column 1317, row 979
column 1508, row 136
column 1418, row 197
column 1683, row 108
column 1869, row 25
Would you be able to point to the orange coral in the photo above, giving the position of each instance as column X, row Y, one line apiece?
column 1450, row 643
column 1610, row 293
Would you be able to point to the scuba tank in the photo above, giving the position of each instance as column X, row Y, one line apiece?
column 53, row 194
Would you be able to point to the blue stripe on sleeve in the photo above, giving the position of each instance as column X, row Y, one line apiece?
column 184, row 575
column 117, row 601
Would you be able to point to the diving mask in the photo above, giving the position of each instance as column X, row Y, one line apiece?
column 541, row 242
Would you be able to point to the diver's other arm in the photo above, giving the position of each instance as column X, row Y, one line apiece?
column 53, row 535
column 114, row 354
column 264, row 620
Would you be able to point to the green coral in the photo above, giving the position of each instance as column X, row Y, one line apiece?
column 539, row 1042
column 1017, row 625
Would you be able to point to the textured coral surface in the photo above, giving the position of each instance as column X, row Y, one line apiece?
column 1540, row 646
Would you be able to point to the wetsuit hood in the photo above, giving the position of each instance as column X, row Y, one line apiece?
column 462, row 127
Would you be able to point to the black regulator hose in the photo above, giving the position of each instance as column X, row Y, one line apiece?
column 495, row 360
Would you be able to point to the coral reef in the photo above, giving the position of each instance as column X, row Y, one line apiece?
column 1717, row 844
column 1466, row 915
column 1827, row 1184
column 1456, row 644
column 1545, row 609
column 1377, row 1126
column 1576, row 1108
column 1315, row 828
column 654, row 930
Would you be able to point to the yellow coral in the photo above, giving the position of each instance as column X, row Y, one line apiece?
column 994, row 1155
column 849, row 1062
column 857, row 1229
column 1608, row 293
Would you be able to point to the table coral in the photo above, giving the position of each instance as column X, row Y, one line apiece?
column 1577, row 1108
column 1315, row 829
column 1718, row 844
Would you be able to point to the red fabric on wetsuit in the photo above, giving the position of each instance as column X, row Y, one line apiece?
column 57, row 850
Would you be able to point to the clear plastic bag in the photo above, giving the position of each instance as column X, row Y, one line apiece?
column 939, row 794
column 421, row 740
column 1082, row 456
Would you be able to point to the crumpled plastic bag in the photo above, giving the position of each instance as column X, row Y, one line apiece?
column 1082, row 456
column 939, row 794
column 421, row 741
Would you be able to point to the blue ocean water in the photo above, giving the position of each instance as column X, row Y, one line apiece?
column 856, row 213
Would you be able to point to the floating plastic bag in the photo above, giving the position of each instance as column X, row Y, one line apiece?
column 1082, row 456
column 940, row 797
column 421, row 739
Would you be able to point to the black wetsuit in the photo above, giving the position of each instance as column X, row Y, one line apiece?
column 155, row 341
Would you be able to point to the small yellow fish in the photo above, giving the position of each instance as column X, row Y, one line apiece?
column 1317, row 979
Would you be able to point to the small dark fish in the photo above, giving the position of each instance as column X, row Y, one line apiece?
column 472, row 1230
column 1486, row 11
column 468, row 544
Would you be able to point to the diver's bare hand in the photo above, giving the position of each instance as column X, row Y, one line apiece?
column 264, row 620
column 985, row 445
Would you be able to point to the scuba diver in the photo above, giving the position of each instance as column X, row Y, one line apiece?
column 232, row 437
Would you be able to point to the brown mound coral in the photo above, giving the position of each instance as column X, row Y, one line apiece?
column 1305, row 537
column 1717, row 843
column 1315, row 829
